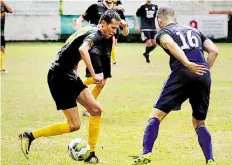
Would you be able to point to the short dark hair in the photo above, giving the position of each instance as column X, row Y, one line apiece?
column 108, row 15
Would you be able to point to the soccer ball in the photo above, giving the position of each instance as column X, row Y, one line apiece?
column 79, row 149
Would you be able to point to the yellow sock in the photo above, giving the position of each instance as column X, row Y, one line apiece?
column 96, row 91
column 113, row 54
column 88, row 81
column 1, row 60
column 94, row 130
column 52, row 130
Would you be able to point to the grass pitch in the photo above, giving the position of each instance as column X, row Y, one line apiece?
column 127, row 101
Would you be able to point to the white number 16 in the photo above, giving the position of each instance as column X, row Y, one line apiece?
column 190, row 40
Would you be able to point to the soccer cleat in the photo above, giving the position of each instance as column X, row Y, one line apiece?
column 87, row 114
column 92, row 158
column 211, row 162
column 143, row 159
column 26, row 140
column 3, row 71
column 115, row 63
column 146, row 57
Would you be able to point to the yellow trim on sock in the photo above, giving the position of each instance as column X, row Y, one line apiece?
column 94, row 130
column 52, row 130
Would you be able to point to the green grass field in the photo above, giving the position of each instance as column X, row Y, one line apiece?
column 127, row 101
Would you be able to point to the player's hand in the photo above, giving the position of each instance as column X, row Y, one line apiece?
column 196, row 68
column 123, row 23
column 98, row 79
column 137, row 28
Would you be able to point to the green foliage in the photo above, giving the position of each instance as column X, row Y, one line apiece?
column 127, row 101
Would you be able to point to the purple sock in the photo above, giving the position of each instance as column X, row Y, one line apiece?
column 204, row 139
column 150, row 135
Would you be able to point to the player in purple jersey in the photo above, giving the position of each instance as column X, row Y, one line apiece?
column 67, row 88
column 189, row 79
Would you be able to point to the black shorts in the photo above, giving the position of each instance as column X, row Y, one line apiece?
column 182, row 85
column 148, row 35
column 101, row 64
column 100, row 59
column 3, row 41
column 64, row 88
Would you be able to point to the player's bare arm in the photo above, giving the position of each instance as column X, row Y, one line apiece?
column 137, row 26
column 168, row 43
column 125, row 30
column 212, row 51
column 84, row 51
column 79, row 22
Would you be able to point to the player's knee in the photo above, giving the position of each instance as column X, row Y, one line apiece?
column 197, row 124
column 148, row 43
column 101, row 86
column 96, row 110
column 2, row 48
column 74, row 126
column 153, row 42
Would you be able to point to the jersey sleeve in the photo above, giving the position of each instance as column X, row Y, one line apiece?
column 159, row 36
column 203, row 37
column 139, row 12
column 90, row 12
column 119, row 2
column 92, row 39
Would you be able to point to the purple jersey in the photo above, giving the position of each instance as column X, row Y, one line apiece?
column 189, row 39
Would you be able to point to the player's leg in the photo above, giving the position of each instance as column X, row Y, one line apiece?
column 72, row 124
column 88, row 101
column 150, row 136
column 199, row 100
column 95, row 91
column 64, row 90
column 113, row 51
column 150, row 44
column 3, row 44
column 171, row 98
column 204, row 139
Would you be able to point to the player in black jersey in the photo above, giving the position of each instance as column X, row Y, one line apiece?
column 189, row 79
column 147, row 13
column 5, row 8
column 67, row 88
column 92, row 15
column 120, row 9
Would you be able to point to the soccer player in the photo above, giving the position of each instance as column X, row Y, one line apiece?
column 189, row 79
column 147, row 13
column 67, row 88
column 4, row 8
column 119, row 7
column 92, row 14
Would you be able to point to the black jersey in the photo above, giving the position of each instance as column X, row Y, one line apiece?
column 94, row 12
column 3, row 11
column 189, row 39
column 69, row 56
column 147, row 13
